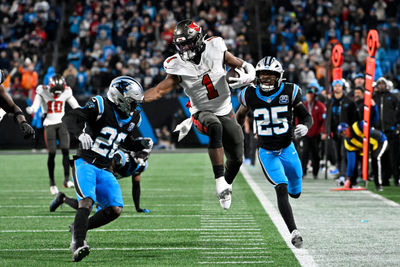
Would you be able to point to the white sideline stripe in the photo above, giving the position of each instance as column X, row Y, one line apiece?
column 126, row 249
column 233, row 262
column 385, row 200
column 302, row 255
column 122, row 230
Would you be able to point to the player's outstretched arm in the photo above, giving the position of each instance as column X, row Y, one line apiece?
column 241, row 114
column 9, row 106
column 161, row 89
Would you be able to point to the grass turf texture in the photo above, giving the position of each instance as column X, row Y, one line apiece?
column 186, row 225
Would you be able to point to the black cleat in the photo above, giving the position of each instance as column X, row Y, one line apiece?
column 57, row 201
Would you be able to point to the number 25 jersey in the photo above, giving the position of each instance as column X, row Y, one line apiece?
column 273, row 113
column 204, row 83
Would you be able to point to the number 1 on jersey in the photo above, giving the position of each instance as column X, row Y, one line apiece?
column 211, row 91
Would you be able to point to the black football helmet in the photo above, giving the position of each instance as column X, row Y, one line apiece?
column 57, row 84
column 188, row 39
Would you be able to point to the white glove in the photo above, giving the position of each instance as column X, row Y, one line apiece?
column 85, row 140
column 29, row 110
column 301, row 130
column 245, row 77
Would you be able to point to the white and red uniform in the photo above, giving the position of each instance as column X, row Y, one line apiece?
column 53, row 106
column 205, row 83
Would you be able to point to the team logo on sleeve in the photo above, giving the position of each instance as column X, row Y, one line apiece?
column 284, row 99
column 90, row 104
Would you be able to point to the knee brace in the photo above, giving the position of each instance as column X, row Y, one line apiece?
column 215, row 134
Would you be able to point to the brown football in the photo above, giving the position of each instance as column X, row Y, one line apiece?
column 231, row 73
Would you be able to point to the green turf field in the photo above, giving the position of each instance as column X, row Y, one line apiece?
column 186, row 225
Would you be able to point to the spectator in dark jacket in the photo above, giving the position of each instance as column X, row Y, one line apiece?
column 339, row 109
column 388, row 123
column 311, row 142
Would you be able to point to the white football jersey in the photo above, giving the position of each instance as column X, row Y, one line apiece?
column 53, row 106
column 204, row 83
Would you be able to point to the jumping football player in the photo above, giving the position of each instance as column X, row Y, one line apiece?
column 273, row 104
column 130, row 160
column 101, row 126
column 199, row 67
column 7, row 105
column 52, row 99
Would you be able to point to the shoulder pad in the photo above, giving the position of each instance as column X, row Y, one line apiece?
column 171, row 61
column 40, row 89
column 68, row 91
column 217, row 43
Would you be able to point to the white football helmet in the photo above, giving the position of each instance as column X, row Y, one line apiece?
column 273, row 65
column 126, row 93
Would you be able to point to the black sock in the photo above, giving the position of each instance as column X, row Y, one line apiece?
column 72, row 202
column 65, row 162
column 136, row 193
column 81, row 225
column 102, row 217
column 218, row 171
column 284, row 206
column 232, row 167
column 50, row 167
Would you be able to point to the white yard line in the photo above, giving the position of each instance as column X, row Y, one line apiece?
column 302, row 255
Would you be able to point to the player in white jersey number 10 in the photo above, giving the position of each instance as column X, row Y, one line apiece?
column 199, row 67
column 52, row 98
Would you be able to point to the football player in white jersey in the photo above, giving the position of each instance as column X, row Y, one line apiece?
column 199, row 67
column 52, row 98
column 7, row 105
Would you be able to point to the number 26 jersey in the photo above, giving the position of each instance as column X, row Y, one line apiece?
column 273, row 113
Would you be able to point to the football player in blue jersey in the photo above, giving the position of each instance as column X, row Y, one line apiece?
column 129, row 160
column 274, row 105
column 101, row 126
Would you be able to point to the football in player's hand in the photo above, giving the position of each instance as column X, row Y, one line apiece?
column 231, row 73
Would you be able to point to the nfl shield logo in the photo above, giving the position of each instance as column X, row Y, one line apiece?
column 283, row 99
column 131, row 126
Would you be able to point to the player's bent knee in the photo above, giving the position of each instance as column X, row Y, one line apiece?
column 136, row 178
column 86, row 203
column 281, row 189
column 295, row 195
column 215, row 135
column 115, row 212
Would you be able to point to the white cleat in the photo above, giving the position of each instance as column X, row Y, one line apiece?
column 297, row 239
column 224, row 192
column 69, row 184
column 53, row 190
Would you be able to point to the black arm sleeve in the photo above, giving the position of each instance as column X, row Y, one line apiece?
column 76, row 118
column 302, row 114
